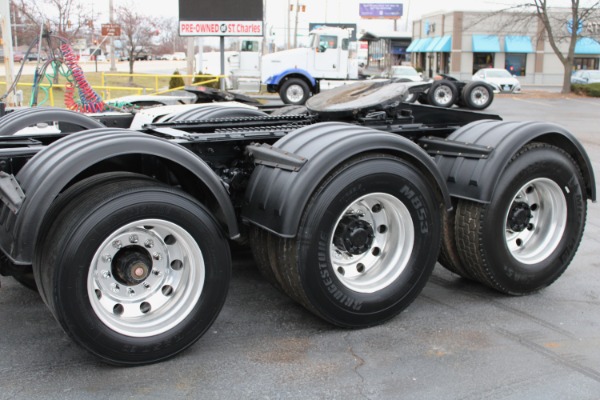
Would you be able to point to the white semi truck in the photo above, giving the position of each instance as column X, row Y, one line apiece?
column 297, row 73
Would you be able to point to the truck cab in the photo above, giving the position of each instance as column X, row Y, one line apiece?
column 326, row 58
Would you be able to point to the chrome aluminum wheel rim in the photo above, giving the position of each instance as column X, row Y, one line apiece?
column 546, row 224
column 443, row 95
column 294, row 93
column 385, row 255
column 166, row 291
column 479, row 96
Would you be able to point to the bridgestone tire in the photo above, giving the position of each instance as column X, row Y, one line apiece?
column 336, row 269
column 294, row 91
column 477, row 96
column 134, row 271
column 449, row 256
column 525, row 238
column 259, row 244
column 442, row 94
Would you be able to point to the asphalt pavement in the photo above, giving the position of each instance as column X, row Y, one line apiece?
column 458, row 340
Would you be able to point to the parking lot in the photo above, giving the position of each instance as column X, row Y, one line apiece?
column 458, row 340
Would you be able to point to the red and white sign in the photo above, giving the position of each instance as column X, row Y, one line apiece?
column 220, row 28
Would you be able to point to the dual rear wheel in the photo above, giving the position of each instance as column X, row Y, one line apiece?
column 366, row 244
column 133, row 270
column 525, row 238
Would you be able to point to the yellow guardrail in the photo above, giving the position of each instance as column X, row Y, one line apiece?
column 207, row 79
column 105, row 91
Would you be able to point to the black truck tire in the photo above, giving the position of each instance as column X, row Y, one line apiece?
column 449, row 256
column 477, row 95
column 22, row 274
column 442, row 94
column 134, row 271
column 367, row 242
column 294, row 91
column 259, row 244
column 525, row 238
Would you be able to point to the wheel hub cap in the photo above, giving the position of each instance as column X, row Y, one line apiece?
column 131, row 265
column 354, row 235
column 519, row 217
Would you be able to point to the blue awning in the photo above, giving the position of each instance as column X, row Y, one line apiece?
column 587, row 46
column 431, row 45
column 486, row 44
column 423, row 45
column 518, row 44
column 444, row 45
column 412, row 45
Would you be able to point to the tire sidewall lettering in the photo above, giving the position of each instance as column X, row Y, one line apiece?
column 323, row 281
column 516, row 175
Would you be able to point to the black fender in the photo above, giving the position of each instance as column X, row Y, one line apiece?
column 17, row 120
column 53, row 168
column 476, row 178
column 283, row 181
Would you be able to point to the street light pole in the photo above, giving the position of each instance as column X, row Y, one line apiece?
column 113, row 64
column 7, row 38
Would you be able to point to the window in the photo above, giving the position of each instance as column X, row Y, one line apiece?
column 585, row 63
column 482, row 60
column 249, row 45
column 327, row 42
column 516, row 63
column 345, row 44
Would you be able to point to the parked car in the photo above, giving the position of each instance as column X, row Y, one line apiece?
column 34, row 57
column 168, row 57
column 500, row 79
column 179, row 55
column 405, row 72
column 584, row 76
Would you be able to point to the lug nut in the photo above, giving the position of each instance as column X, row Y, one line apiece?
column 149, row 243
column 107, row 258
column 156, row 256
column 105, row 274
column 117, row 244
column 133, row 239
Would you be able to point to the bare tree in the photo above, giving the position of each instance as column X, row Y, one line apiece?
column 137, row 32
column 577, row 17
column 168, row 38
column 561, row 26
column 65, row 18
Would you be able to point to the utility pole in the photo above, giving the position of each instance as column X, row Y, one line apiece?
column 265, row 30
column 296, row 25
column 8, row 47
column 113, row 62
column 287, row 43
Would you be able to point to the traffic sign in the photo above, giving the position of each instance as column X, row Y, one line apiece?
column 111, row 30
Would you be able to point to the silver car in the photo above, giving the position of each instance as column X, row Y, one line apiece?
column 500, row 79
column 584, row 76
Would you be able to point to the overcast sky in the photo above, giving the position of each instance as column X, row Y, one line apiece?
column 343, row 11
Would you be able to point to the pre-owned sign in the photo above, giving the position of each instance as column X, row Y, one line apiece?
column 221, row 18
column 220, row 28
